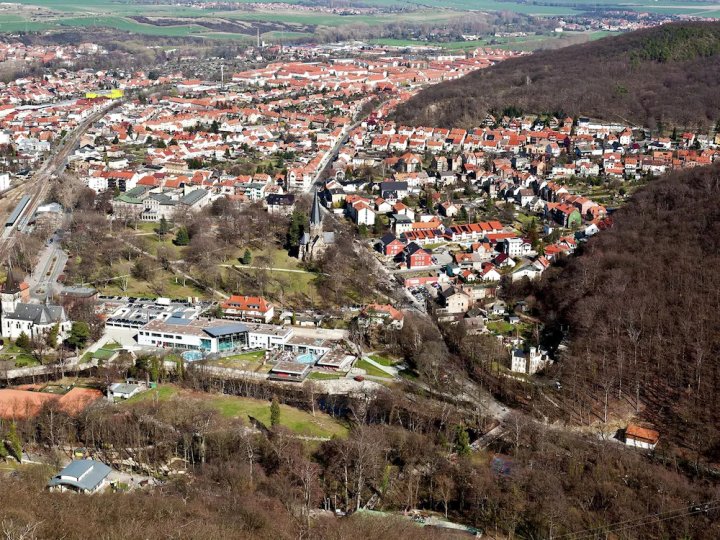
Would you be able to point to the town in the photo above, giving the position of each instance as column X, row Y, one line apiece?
column 278, row 228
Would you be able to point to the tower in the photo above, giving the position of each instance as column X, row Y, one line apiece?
column 11, row 293
column 315, row 216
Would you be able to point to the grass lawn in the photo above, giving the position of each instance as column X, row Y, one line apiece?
column 163, row 392
column 250, row 361
column 383, row 360
column 24, row 360
column 103, row 354
column 371, row 370
column 501, row 327
column 300, row 422
column 321, row 376
column 164, row 284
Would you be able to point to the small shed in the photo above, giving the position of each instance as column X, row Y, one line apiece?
column 640, row 437
column 289, row 371
column 124, row 390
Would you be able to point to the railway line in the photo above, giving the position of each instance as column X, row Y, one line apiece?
column 34, row 191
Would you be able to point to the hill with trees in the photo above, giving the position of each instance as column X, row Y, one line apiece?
column 638, row 311
column 660, row 77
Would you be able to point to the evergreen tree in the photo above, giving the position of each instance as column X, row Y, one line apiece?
column 275, row 412
column 14, row 443
column 298, row 225
column 462, row 441
column 23, row 341
column 182, row 238
column 52, row 336
column 463, row 214
column 246, row 258
column 163, row 228
column 79, row 335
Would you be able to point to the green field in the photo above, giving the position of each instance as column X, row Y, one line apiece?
column 372, row 370
column 300, row 422
column 106, row 13
column 383, row 360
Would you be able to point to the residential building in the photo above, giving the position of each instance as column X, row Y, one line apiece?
column 248, row 308
column 81, row 476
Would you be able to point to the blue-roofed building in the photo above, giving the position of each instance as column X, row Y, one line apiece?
column 82, row 476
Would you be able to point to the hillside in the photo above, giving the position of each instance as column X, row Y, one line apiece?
column 641, row 304
column 659, row 77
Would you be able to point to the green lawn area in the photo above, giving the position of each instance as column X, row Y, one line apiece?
column 371, row 370
column 163, row 392
column 501, row 327
column 300, row 422
column 281, row 286
column 25, row 360
column 320, row 376
column 164, row 284
column 250, row 361
column 103, row 354
column 383, row 360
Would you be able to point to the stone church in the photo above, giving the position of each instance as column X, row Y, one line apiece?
column 315, row 241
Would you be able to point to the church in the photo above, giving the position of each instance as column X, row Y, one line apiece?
column 35, row 320
column 314, row 242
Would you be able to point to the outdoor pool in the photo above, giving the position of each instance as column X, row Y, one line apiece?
column 192, row 356
column 306, row 358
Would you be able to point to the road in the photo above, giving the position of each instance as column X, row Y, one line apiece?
column 39, row 185
column 51, row 263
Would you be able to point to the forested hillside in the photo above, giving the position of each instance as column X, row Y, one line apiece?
column 660, row 77
column 641, row 305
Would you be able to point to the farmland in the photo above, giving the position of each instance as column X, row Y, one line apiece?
column 284, row 24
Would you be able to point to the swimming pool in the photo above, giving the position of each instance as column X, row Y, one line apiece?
column 192, row 356
column 306, row 358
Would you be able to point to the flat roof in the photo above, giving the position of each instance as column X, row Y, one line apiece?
column 310, row 342
column 226, row 330
column 294, row 368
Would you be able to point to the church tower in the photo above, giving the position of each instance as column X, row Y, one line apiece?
column 11, row 293
column 315, row 217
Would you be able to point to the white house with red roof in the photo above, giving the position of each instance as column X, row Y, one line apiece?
column 248, row 308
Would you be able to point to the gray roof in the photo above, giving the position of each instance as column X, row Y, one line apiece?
column 226, row 329
column 124, row 388
column 194, row 196
column 315, row 212
column 137, row 191
column 37, row 313
column 85, row 474
column 162, row 199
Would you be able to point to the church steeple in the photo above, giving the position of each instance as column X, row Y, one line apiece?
column 315, row 212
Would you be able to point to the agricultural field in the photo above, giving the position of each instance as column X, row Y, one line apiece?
column 284, row 24
column 524, row 43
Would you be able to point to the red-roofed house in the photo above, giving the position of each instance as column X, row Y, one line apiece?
column 248, row 308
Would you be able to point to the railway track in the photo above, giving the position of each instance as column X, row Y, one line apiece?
column 38, row 185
